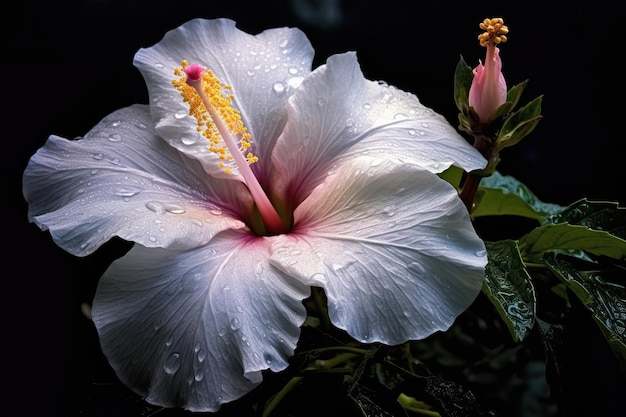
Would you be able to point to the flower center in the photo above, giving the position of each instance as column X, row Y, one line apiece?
column 495, row 32
column 210, row 102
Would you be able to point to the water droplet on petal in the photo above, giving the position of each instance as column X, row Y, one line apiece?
column 235, row 324
column 201, row 355
column 367, row 106
column 268, row 358
column 415, row 268
column 174, row 209
column 199, row 375
column 279, row 87
column 222, row 331
column 180, row 114
column 98, row 156
column 322, row 101
column 481, row 253
column 293, row 70
column 172, row 363
column 127, row 192
column 115, row 137
column 156, row 206
column 188, row 140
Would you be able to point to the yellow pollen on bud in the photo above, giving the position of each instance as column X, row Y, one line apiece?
column 495, row 32
column 220, row 98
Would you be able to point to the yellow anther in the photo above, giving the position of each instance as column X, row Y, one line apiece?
column 495, row 31
column 220, row 99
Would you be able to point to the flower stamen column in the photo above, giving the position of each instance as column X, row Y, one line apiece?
column 224, row 119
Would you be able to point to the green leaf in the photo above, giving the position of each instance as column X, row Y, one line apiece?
column 463, row 77
column 605, row 300
column 504, row 195
column 509, row 287
column 519, row 124
column 452, row 175
column 565, row 236
column 597, row 215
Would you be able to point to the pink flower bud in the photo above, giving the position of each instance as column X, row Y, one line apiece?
column 488, row 89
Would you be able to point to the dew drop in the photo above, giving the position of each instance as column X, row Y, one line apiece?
column 158, row 65
column 98, row 156
column 367, row 106
column 376, row 162
column 268, row 358
column 115, row 123
column 222, row 331
column 412, row 132
column 174, row 209
column 415, row 268
column 322, row 101
column 293, row 70
column 156, row 206
column 279, row 87
column 142, row 126
column 180, row 114
column 172, row 363
column 202, row 355
column 199, row 375
column 250, row 73
column 93, row 171
column 115, row 137
column 389, row 210
column 126, row 192
column 235, row 324
column 188, row 140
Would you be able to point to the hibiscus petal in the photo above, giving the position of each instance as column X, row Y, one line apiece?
column 262, row 69
column 338, row 114
column 122, row 180
column 195, row 329
column 393, row 247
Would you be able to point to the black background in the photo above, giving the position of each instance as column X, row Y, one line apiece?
column 66, row 64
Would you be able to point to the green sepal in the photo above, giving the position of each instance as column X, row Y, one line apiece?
column 606, row 300
column 519, row 124
column 463, row 77
column 509, row 287
column 505, row 195
column 512, row 98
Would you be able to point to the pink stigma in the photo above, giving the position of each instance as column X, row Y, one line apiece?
column 194, row 71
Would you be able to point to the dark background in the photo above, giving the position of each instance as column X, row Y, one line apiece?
column 66, row 64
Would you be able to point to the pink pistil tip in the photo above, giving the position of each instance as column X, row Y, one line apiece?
column 194, row 72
